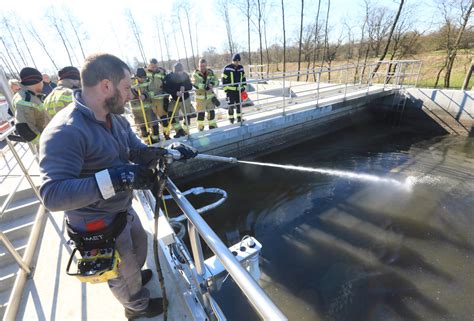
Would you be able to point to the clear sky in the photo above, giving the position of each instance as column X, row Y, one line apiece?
column 107, row 29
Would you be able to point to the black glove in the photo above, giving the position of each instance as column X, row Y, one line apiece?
column 186, row 151
column 148, row 156
column 207, row 87
column 122, row 178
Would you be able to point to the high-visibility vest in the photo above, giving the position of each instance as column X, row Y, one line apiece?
column 201, row 81
column 155, row 87
column 59, row 98
column 144, row 90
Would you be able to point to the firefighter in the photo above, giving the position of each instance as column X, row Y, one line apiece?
column 177, row 84
column 15, row 85
column 90, row 163
column 159, row 103
column 28, row 105
column 61, row 96
column 233, row 79
column 204, row 80
column 141, row 94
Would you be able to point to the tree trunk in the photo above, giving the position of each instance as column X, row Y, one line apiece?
column 160, row 43
column 136, row 34
column 9, row 56
column 165, row 40
column 248, row 31
column 7, row 65
column 260, row 30
column 387, row 45
column 300, row 41
column 184, row 43
column 20, row 54
column 454, row 51
column 284, row 36
column 74, row 28
column 176, row 44
column 42, row 45
column 316, row 39
column 326, row 38
column 191, row 39
column 26, row 44
column 468, row 76
column 266, row 46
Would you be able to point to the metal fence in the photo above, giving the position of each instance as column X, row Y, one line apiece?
column 312, row 85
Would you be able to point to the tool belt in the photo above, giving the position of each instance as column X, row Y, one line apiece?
column 99, row 259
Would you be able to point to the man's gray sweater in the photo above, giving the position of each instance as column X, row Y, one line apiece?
column 73, row 147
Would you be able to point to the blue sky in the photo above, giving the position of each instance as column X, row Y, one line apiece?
column 107, row 29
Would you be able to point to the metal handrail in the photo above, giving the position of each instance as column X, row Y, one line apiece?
column 254, row 293
column 284, row 76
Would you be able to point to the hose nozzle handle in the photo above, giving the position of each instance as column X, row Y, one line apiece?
column 216, row 158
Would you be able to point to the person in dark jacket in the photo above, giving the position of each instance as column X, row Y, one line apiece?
column 233, row 79
column 177, row 84
column 48, row 85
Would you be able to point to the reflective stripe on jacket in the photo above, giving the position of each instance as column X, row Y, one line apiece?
column 233, row 74
column 201, row 81
column 29, row 110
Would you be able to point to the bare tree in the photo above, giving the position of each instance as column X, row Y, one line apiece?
column 300, row 40
column 40, row 42
column 25, row 42
column 325, row 55
column 186, row 11
column 57, row 25
column 136, row 33
column 184, row 41
column 165, row 40
column 466, row 10
column 223, row 6
column 389, row 39
column 468, row 76
column 284, row 36
column 76, row 27
column 11, row 69
column 316, row 38
column 159, row 40
column 9, row 56
column 9, row 28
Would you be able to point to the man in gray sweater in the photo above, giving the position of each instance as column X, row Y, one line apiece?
column 91, row 161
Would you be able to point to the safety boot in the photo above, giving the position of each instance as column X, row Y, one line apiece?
column 154, row 308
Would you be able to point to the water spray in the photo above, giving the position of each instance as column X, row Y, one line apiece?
column 408, row 183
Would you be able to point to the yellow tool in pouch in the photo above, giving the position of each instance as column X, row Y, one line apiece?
column 98, row 268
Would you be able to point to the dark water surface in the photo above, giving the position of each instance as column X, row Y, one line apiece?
column 340, row 249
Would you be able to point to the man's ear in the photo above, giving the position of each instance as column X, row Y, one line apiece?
column 106, row 87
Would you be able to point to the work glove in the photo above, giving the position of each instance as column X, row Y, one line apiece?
column 207, row 87
column 123, row 178
column 148, row 156
column 180, row 151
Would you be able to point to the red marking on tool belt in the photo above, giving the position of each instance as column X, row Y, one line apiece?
column 95, row 226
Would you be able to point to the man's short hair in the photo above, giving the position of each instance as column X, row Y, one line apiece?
column 153, row 61
column 98, row 67
column 202, row 61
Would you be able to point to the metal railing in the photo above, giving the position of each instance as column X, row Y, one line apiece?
column 198, row 227
column 25, row 262
column 316, row 84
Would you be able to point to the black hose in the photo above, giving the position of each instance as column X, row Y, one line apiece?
column 158, row 192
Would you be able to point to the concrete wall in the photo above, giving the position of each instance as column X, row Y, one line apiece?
column 265, row 135
column 453, row 110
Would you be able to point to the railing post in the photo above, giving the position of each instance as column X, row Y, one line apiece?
column 318, row 83
column 283, row 93
column 196, row 249
column 23, row 169
column 9, row 246
column 345, row 88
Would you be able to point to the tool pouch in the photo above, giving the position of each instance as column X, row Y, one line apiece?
column 99, row 259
